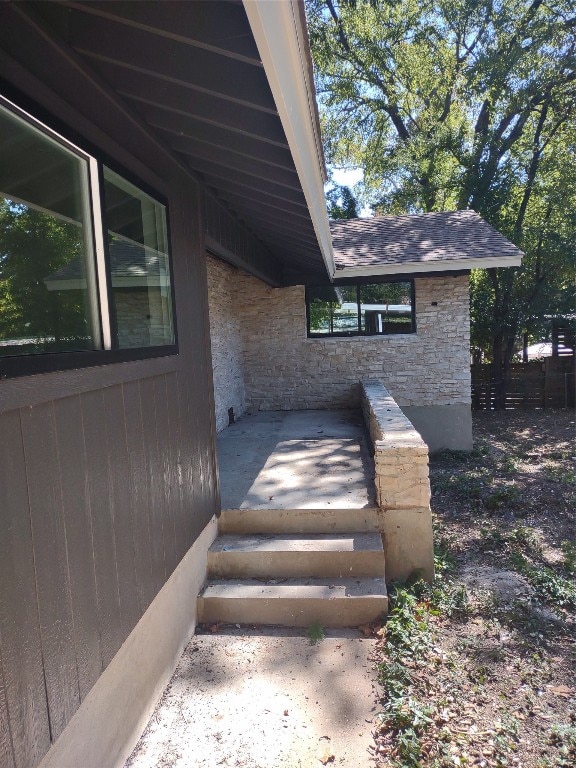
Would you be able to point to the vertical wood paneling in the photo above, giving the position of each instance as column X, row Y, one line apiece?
column 167, row 492
column 188, row 231
column 19, row 629
column 195, row 376
column 190, row 459
column 175, row 462
column 6, row 752
column 115, row 483
column 139, row 488
column 101, row 512
column 78, row 525
column 147, row 389
column 121, row 507
column 51, row 564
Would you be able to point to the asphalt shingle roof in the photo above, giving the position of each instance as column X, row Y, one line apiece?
column 417, row 238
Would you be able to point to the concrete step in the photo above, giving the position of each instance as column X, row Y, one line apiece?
column 297, row 555
column 300, row 520
column 294, row 602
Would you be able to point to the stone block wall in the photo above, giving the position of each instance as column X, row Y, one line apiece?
column 283, row 369
column 226, row 341
column 142, row 317
column 402, row 485
column 400, row 454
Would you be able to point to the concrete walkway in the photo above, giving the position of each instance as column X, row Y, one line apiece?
column 296, row 460
column 265, row 698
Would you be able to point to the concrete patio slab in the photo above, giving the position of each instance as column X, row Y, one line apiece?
column 296, row 460
column 265, row 698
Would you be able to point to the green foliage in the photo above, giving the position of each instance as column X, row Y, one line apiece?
column 315, row 633
column 408, row 639
column 409, row 642
column 563, row 737
column 33, row 245
column 569, row 555
column 464, row 484
column 503, row 495
column 549, row 586
column 463, row 104
column 341, row 203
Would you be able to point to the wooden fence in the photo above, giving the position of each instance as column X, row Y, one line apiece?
column 543, row 384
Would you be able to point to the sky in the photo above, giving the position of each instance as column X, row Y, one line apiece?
column 347, row 177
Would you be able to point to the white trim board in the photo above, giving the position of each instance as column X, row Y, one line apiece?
column 421, row 267
column 278, row 32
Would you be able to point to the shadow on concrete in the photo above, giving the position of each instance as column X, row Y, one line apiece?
column 296, row 460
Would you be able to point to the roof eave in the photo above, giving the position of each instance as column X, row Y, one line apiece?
column 438, row 265
column 280, row 34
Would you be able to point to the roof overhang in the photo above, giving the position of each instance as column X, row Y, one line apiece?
column 279, row 31
column 224, row 90
column 423, row 268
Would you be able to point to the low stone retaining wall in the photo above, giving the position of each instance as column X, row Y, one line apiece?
column 402, row 485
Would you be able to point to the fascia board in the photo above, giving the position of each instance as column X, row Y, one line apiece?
column 278, row 33
column 444, row 265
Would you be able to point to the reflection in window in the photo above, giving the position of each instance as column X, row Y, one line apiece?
column 47, row 280
column 139, row 265
column 386, row 308
column 363, row 309
column 333, row 310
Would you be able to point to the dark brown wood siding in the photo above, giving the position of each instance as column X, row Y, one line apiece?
column 226, row 239
column 107, row 474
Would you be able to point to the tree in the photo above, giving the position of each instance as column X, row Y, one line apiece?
column 341, row 203
column 33, row 245
column 462, row 104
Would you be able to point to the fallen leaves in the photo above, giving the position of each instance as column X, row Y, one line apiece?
column 561, row 690
column 497, row 682
column 375, row 629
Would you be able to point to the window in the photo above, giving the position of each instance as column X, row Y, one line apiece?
column 84, row 263
column 362, row 309
column 139, row 265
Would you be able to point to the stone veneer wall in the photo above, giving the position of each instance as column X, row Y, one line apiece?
column 283, row 369
column 402, row 485
column 225, row 336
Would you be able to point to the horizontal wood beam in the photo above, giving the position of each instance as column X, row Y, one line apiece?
column 223, row 154
column 262, row 203
column 25, row 36
column 205, row 71
column 201, row 107
column 268, row 271
column 240, row 168
column 216, row 137
column 221, row 28
column 256, row 190
column 282, row 233
column 273, row 215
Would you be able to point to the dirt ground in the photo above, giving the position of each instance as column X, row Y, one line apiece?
column 479, row 670
column 496, row 685
column 265, row 697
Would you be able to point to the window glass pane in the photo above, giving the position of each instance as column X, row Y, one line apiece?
column 48, row 300
column 333, row 309
column 139, row 265
column 346, row 311
column 386, row 308
column 320, row 307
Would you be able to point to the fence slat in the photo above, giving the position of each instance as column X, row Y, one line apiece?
column 548, row 384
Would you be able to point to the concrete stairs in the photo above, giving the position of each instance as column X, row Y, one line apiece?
column 296, row 568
